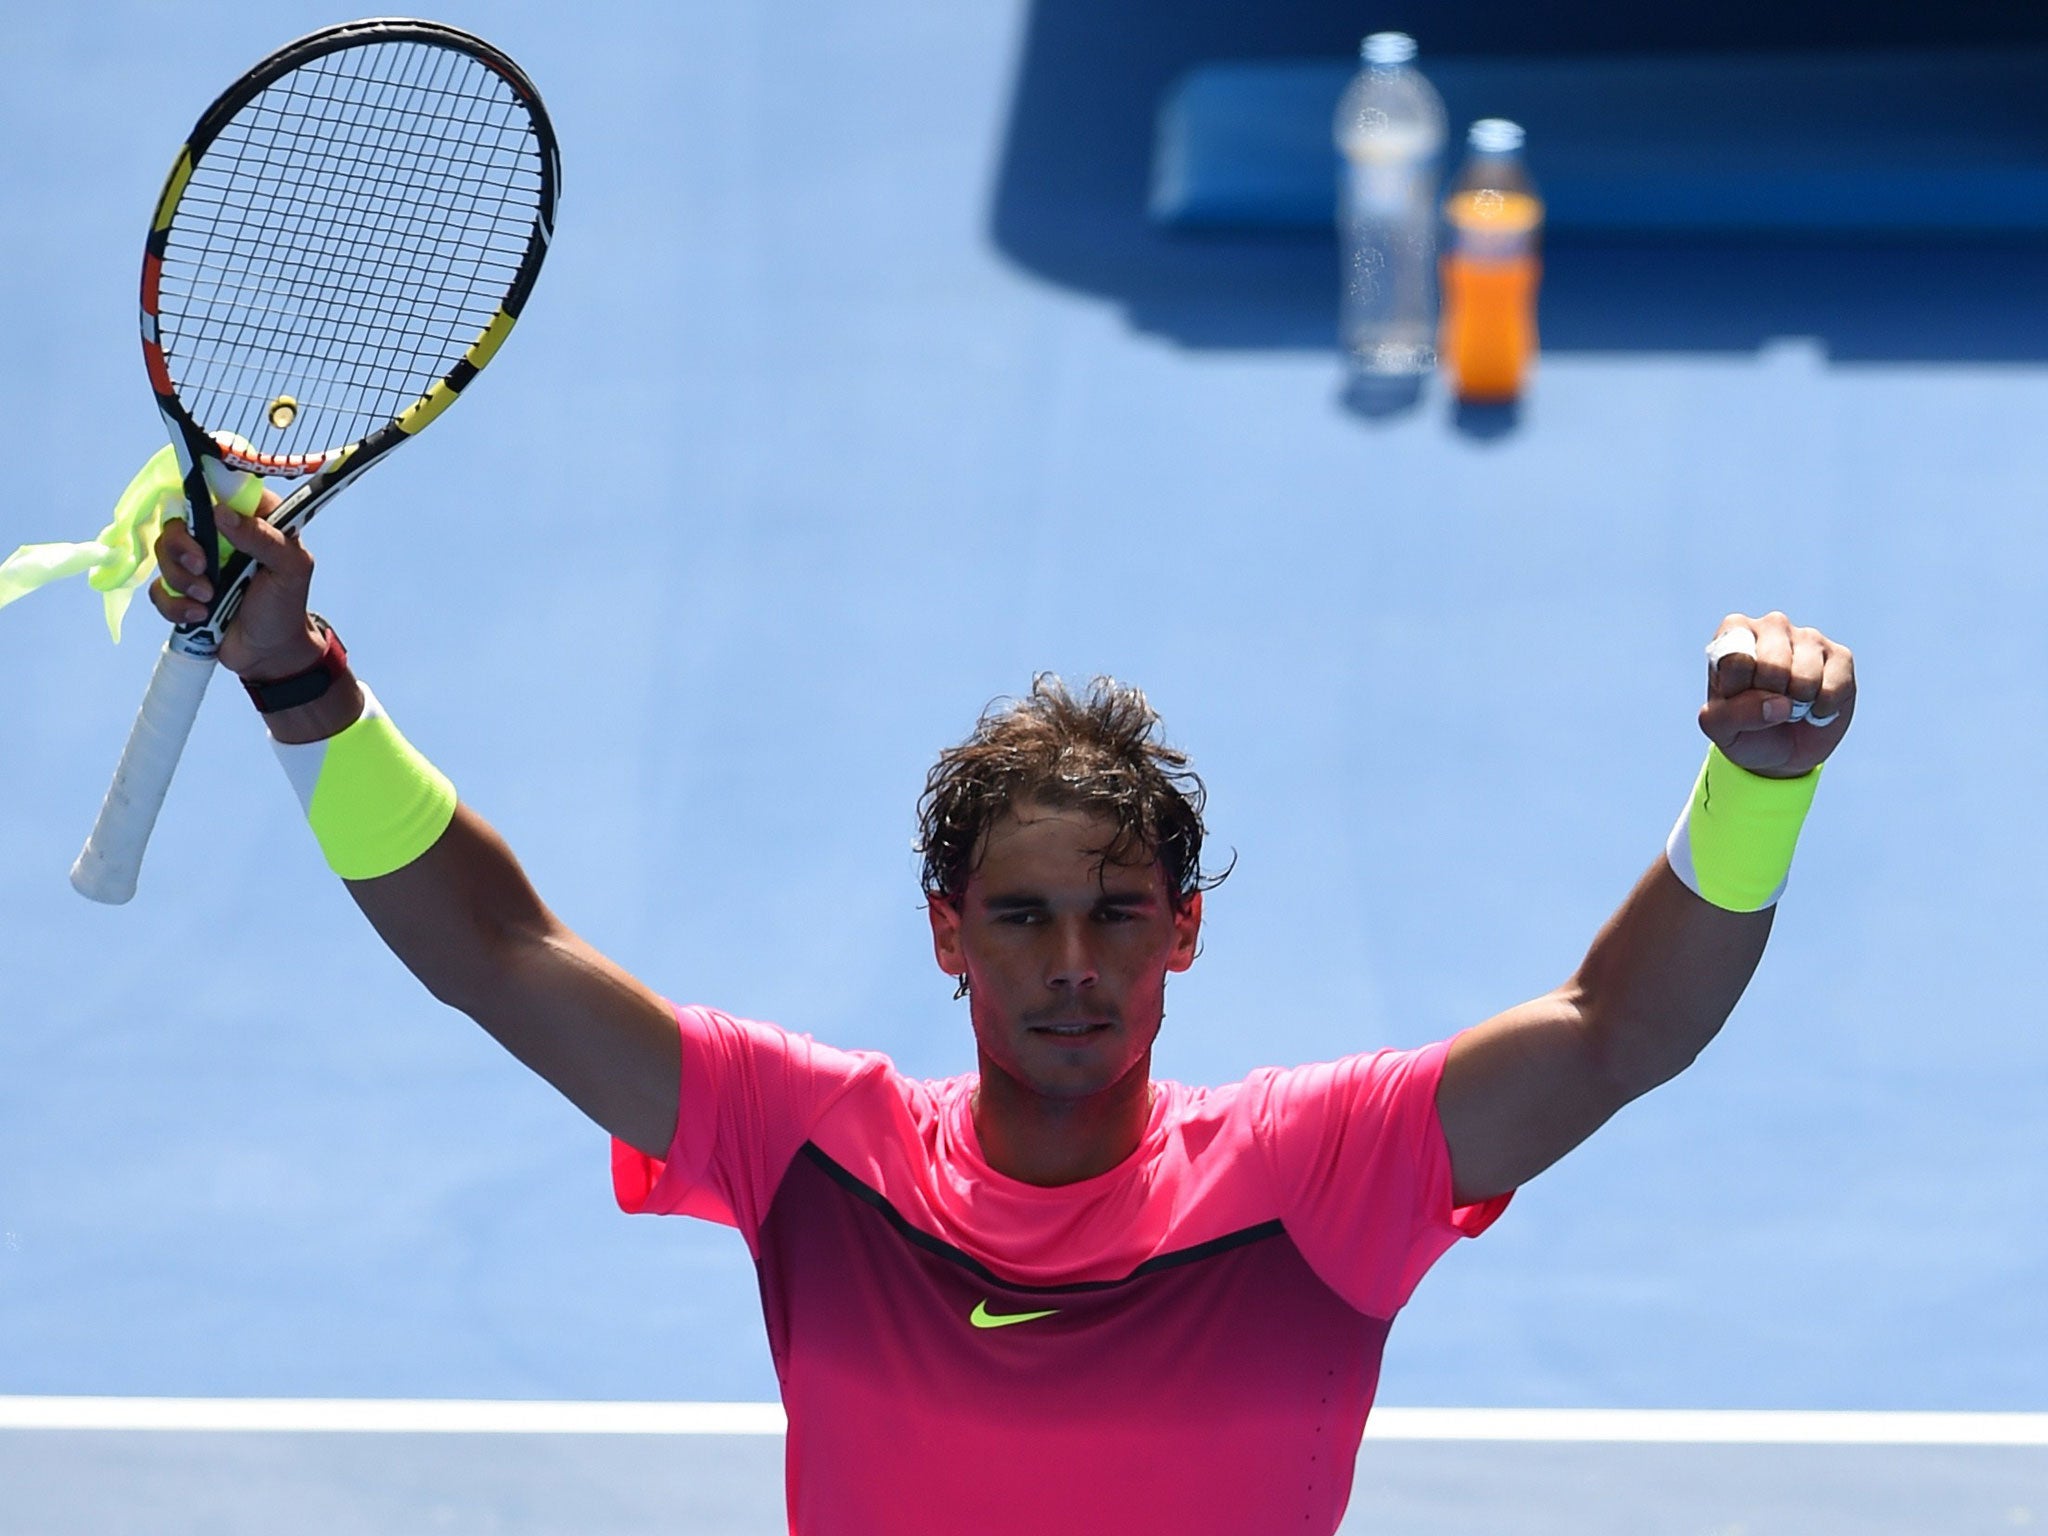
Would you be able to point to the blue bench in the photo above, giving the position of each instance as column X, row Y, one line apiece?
column 1949, row 142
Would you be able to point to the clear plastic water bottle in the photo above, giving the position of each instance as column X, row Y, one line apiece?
column 1390, row 127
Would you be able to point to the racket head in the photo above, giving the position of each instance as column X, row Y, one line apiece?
column 343, row 242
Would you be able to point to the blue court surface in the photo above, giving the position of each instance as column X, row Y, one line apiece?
column 857, row 388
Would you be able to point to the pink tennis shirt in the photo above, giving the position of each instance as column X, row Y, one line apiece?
column 1185, row 1345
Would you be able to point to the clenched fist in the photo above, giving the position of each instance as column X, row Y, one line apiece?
column 1753, row 684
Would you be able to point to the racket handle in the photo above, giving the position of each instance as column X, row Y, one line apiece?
column 112, row 858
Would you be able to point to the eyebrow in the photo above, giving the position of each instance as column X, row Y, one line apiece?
column 1022, row 902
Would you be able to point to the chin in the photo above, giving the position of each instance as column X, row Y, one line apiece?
column 1071, row 1081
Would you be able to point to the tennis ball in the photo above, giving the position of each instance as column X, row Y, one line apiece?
column 248, row 495
column 237, row 488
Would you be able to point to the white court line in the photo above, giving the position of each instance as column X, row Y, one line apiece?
column 424, row 1416
column 401, row 1416
column 1688, row 1426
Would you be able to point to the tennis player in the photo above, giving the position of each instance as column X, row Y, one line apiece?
column 1054, row 1294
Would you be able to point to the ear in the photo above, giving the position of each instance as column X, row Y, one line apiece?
column 944, row 913
column 1187, row 934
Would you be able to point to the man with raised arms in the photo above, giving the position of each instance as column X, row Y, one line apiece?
column 1055, row 1294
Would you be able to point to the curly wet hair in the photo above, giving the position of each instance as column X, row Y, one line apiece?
column 1098, row 752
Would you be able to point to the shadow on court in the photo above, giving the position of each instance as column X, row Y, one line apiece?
column 1070, row 196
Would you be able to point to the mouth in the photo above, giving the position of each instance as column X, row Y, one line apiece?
column 1068, row 1031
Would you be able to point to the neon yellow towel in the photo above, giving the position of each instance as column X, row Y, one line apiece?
column 123, row 557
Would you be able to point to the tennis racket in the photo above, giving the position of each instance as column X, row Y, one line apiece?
column 343, row 243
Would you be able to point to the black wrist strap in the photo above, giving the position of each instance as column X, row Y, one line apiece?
column 302, row 687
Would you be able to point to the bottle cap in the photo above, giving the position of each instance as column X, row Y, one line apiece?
column 1387, row 48
column 1495, row 136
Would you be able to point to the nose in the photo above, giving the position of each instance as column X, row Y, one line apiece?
column 1072, row 961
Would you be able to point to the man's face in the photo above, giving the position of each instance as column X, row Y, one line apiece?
column 1049, row 935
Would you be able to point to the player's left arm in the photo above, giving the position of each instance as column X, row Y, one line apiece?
column 1525, row 1087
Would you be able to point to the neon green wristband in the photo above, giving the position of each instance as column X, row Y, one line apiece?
column 1733, row 842
column 375, row 803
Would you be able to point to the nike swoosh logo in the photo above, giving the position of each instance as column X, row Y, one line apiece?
column 983, row 1318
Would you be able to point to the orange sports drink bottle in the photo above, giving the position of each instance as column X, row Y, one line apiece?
column 1491, row 268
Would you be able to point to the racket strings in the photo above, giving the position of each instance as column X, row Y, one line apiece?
column 364, row 210
column 406, row 246
column 344, row 240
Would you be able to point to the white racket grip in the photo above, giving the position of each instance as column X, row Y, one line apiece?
column 111, row 860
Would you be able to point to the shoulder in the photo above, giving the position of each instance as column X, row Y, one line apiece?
column 1383, row 1074
column 1341, row 1108
column 742, row 1039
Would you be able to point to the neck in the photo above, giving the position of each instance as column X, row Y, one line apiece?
column 1038, row 1140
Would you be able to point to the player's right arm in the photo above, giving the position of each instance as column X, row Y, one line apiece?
column 466, row 921
column 462, row 917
